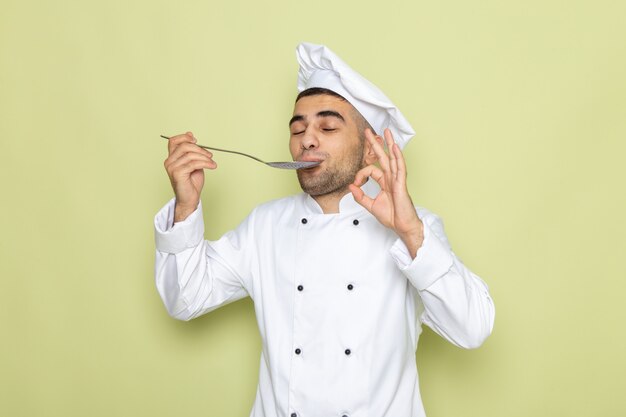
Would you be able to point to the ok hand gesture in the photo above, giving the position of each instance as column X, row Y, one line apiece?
column 392, row 206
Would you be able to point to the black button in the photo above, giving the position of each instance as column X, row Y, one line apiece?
column 355, row 222
column 304, row 221
column 345, row 415
column 300, row 287
column 350, row 287
column 298, row 351
column 294, row 415
column 348, row 351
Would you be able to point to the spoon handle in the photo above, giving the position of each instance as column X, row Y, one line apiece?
column 225, row 150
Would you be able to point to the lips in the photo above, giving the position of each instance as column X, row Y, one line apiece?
column 312, row 156
column 311, row 160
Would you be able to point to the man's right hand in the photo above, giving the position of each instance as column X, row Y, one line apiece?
column 185, row 166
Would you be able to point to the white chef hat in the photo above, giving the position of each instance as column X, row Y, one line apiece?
column 320, row 67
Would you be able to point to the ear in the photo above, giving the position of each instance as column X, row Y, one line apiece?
column 369, row 156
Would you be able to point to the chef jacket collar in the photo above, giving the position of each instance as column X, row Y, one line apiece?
column 347, row 204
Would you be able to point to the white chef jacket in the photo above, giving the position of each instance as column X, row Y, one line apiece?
column 338, row 299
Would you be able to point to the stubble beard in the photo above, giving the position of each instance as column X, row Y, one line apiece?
column 332, row 180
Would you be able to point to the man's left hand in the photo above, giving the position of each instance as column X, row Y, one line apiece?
column 392, row 206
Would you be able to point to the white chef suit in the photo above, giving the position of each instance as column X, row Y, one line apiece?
column 338, row 299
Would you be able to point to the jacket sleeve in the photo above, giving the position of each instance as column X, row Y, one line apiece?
column 195, row 276
column 457, row 304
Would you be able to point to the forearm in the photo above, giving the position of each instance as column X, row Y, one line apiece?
column 182, row 290
column 457, row 304
column 459, row 308
column 190, row 277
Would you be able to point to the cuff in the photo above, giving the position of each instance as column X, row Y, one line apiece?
column 173, row 237
column 432, row 261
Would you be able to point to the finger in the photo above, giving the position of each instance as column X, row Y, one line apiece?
column 190, row 156
column 356, row 191
column 174, row 141
column 185, row 148
column 183, row 173
column 361, row 176
column 393, row 162
column 361, row 198
column 401, row 163
column 373, row 172
column 182, row 165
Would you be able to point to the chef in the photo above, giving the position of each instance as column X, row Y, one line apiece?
column 342, row 275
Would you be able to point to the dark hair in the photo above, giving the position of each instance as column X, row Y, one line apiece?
column 318, row 91
column 361, row 122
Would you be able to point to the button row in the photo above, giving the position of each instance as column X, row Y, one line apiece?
column 349, row 287
column 305, row 221
column 347, row 351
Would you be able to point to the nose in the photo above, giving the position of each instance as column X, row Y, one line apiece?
column 309, row 140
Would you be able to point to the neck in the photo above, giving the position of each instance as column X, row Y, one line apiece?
column 329, row 203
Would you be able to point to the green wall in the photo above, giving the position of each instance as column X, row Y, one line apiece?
column 520, row 114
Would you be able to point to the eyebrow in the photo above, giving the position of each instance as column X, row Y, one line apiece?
column 323, row 113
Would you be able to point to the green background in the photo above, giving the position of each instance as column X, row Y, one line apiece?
column 520, row 114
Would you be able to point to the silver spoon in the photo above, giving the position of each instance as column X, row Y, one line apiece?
column 282, row 165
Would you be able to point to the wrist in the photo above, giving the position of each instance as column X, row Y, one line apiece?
column 182, row 211
column 413, row 238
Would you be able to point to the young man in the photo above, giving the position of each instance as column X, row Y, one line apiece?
column 343, row 275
